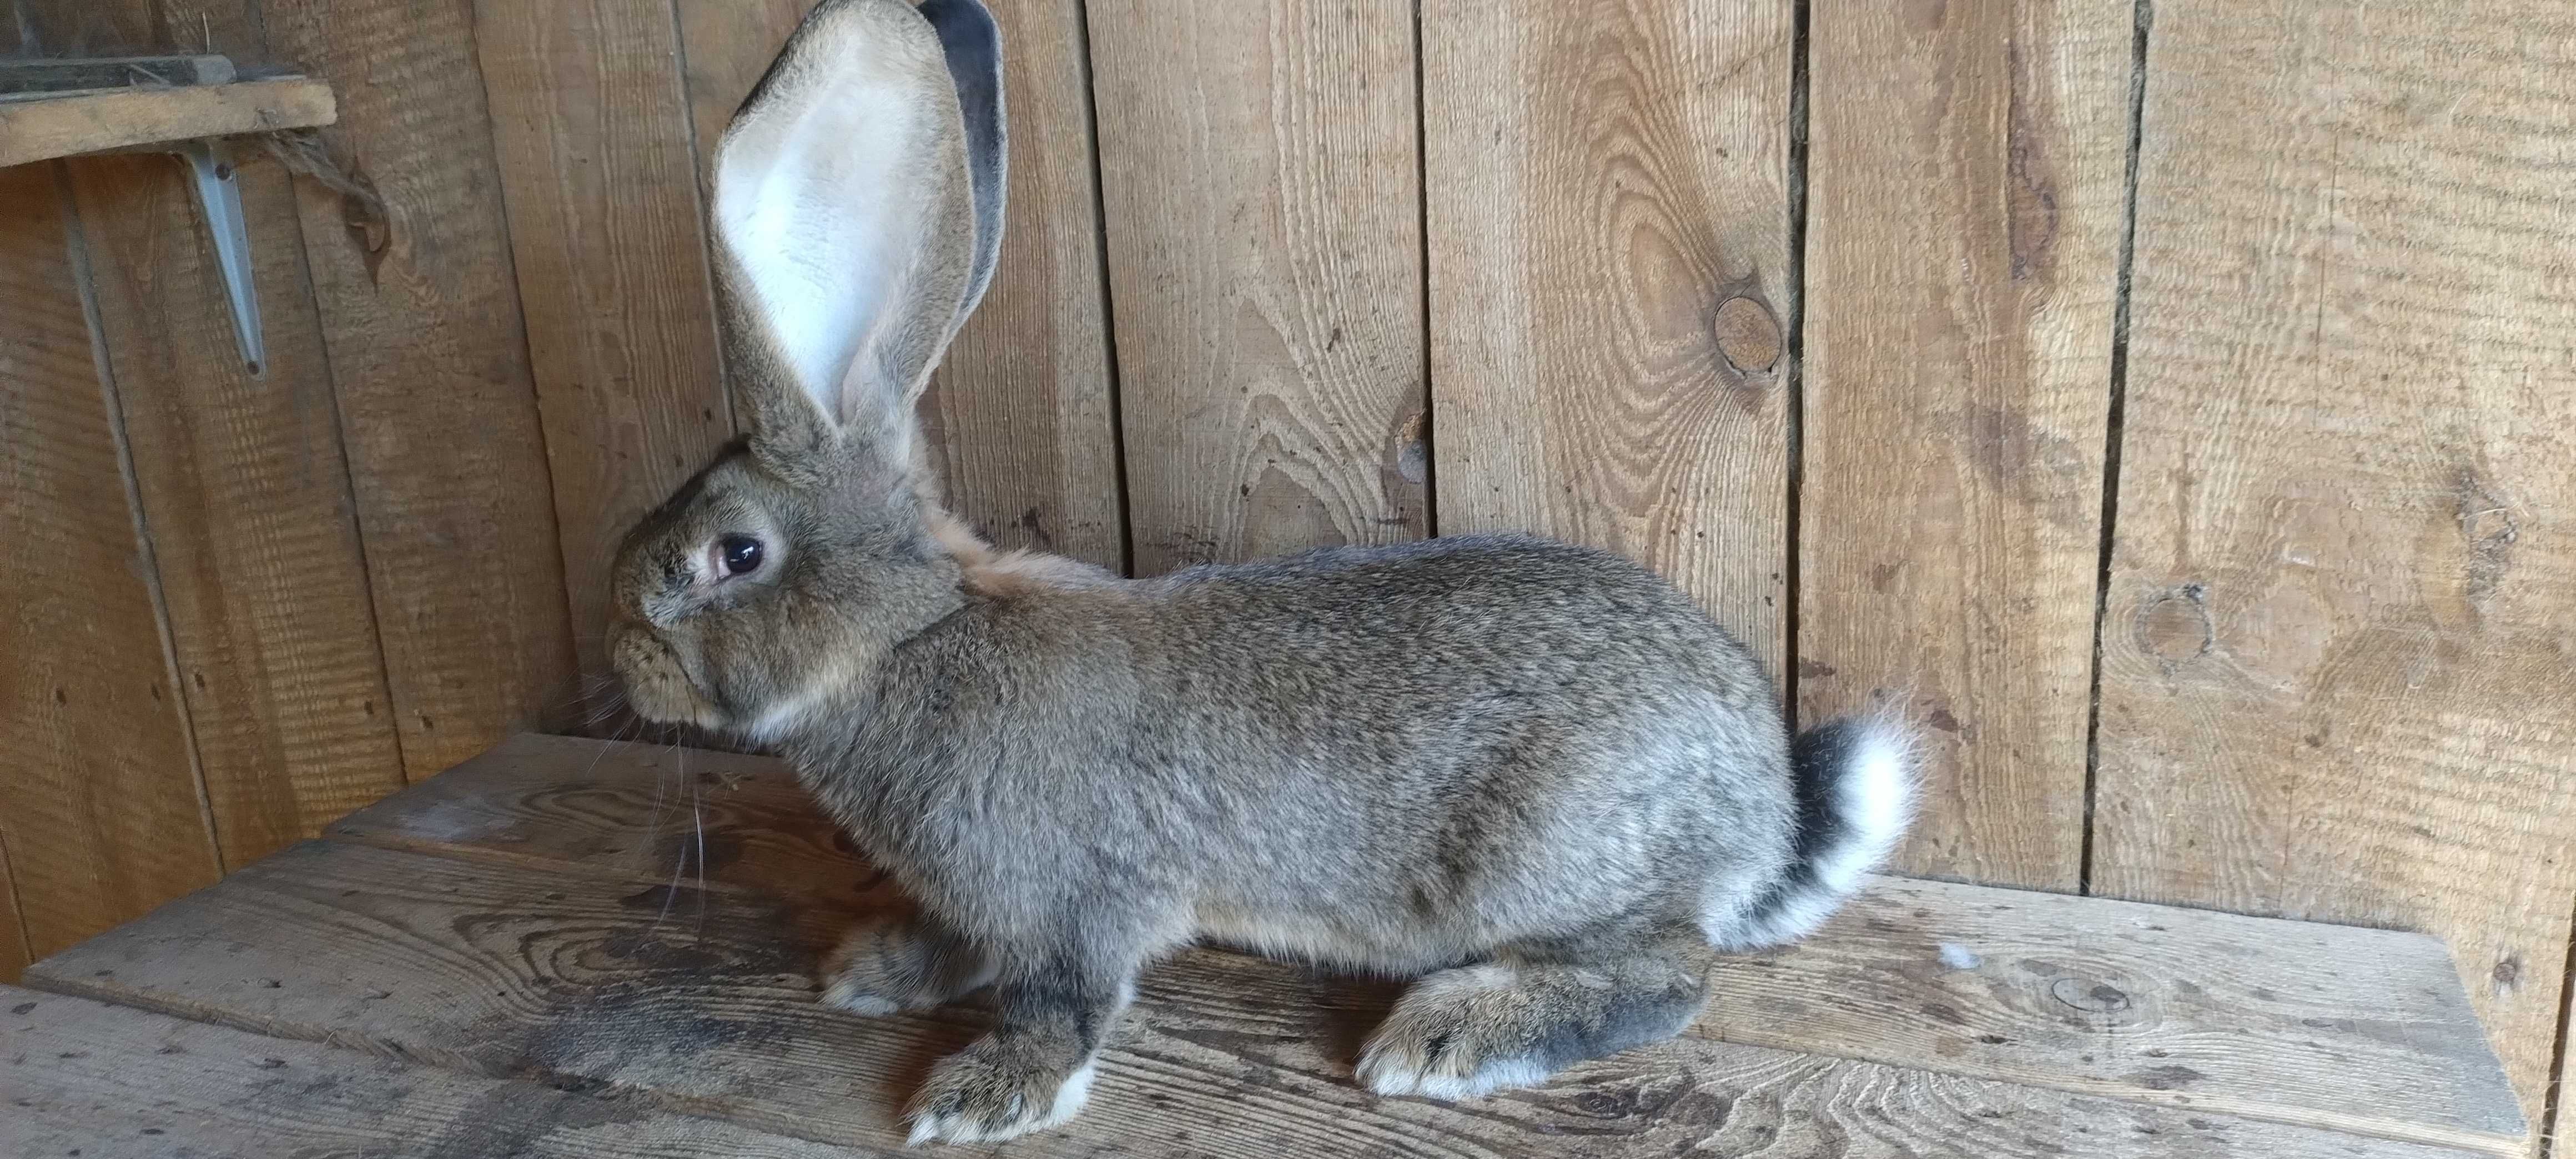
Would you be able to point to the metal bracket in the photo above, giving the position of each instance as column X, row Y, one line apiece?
column 219, row 197
column 210, row 170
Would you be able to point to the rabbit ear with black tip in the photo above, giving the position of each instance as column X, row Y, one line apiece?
column 857, row 215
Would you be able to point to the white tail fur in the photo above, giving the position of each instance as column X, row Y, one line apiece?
column 1856, row 784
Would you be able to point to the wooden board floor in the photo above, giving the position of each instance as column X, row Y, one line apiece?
column 502, row 961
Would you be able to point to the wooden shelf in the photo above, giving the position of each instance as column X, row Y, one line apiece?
column 41, row 126
column 478, row 956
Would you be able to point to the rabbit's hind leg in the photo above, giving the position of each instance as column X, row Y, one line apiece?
column 902, row 962
column 1514, row 1021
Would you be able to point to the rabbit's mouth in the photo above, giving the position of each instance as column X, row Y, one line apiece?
column 657, row 685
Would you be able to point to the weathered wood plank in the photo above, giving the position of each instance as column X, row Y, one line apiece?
column 2335, row 647
column 1608, row 223
column 2562, row 1119
column 2351, row 1029
column 2359, row 1030
column 240, row 469
column 606, row 235
column 726, row 45
column 23, row 74
column 411, row 269
column 247, row 496
column 1259, row 175
column 41, row 128
column 13, row 932
column 625, row 811
column 99, row 808
column 1957, row 382
column 498, row 971
column 1020, row 409
column 103, row 1082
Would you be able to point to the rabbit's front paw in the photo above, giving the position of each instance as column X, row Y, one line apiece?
column 900, row 964
column 989, row 1092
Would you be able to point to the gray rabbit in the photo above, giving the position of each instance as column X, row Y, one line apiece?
column 1535, row 775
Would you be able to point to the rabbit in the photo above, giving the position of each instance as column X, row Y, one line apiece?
column 1533, row 776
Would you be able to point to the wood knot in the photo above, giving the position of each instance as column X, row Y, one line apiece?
column 2089, row 996
column 1747, row 334
column 1413, row 448
column 2174, row 626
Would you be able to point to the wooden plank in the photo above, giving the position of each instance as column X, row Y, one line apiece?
column 245, row 490
column 1021, row 406
column 52, row 75
column 625, row 810
column 726, row 46
column 100, row 810
column 98, row 1081
column 13, row 932
column 2248, row 1016
column 2562, row 1119
column 1261, row 193
column 61, row 28
column 2335, row 676
column 593, row 139
column 1957, row 382
column 1608, row 221
column 2358, row 1030
column 1020, row 409
column 411, row 271
column 581, row 980
column 60, row 126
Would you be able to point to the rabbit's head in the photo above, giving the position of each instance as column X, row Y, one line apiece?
column 857, row 211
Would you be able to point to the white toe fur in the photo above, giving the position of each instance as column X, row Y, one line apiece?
column 844, row 996
column 1069, row 1099
column 1386, row 1078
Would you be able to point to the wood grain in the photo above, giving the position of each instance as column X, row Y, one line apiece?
column 13, row 931
column 100, row 810
column 1258, row 172
column 1020, row 410
column 1022, row 407
column 581, row 981
column 1608, row 232
column 564, row 804
column 106, row 1082
column 247, row 496
column 2359, row 1030
column 2356, row 1030
column 41, row 128
column 409, row 257
column 1964, row 194
column 599, row 181
column 2336, row 677
column 20, row 72
column 725, row 47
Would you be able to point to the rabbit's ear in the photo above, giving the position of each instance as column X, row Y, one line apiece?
column 858, row 209
column 973, row 47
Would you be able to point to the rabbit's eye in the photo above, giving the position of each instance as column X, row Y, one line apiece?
column 741, row 554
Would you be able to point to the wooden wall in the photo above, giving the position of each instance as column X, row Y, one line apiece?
column 2169, row 398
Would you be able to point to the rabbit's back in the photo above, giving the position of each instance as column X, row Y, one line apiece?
column 1396, row 756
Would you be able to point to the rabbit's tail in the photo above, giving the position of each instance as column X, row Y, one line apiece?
column 1854, row 780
